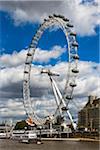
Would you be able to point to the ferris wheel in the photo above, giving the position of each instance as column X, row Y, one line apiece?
column 62, row 99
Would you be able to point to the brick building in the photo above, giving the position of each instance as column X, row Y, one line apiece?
column 88, row 117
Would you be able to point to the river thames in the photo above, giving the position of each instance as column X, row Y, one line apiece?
column 6, row 144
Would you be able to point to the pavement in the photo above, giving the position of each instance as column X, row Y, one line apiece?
column 71, row 139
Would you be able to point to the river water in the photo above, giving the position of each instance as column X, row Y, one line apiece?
column 6, row 144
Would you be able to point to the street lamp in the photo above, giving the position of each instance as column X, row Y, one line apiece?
column 39, row 140
column 40, row 132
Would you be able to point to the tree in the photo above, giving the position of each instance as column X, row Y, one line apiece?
column 21, row 125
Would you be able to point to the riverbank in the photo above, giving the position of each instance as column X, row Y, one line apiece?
column 71, row 139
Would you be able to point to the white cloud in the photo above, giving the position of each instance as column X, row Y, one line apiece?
column 47, row 55
column 20, row 15
column 85, row 16
column 9, row 76
column 88, row 80
column 11, row 80
column 12, row 109
column 18, row 58
column 14, row 59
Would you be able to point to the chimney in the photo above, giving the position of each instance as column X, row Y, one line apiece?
column 91, row 98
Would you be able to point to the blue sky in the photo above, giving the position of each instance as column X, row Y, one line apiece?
column 16, row 38
column 18, row 23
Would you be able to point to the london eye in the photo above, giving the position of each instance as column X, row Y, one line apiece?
column 62, row 98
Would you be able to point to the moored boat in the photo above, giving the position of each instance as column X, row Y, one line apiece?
column 3, row 135
column 24, row 136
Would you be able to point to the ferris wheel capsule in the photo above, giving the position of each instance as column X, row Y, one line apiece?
column 64, row 108
column 70, row 25
column 68, row 97
column 65, row 19
column 73, row 34
column 73, row 84
column 75, row 70
column 75, row 44
column 55, row 15
column 50, row 16
column 76, row 57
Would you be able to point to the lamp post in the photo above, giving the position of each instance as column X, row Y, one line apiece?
column 40, row 132
column 39, row 140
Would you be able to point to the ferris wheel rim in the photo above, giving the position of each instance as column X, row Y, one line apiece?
column 65, row 26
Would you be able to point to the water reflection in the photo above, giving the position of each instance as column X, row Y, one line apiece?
column 49, row 145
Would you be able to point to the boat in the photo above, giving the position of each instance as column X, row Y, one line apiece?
column 3, row 135
column 24, row 136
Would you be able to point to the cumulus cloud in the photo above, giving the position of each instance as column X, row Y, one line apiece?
column 41, row 91
column 83, row 14
column 12, row 108
column 56, row 52
column 18, row 58
column 88, row 79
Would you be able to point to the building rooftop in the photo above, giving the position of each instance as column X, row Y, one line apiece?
column 93, row 101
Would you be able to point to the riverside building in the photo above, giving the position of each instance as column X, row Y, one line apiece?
column 88, row 117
